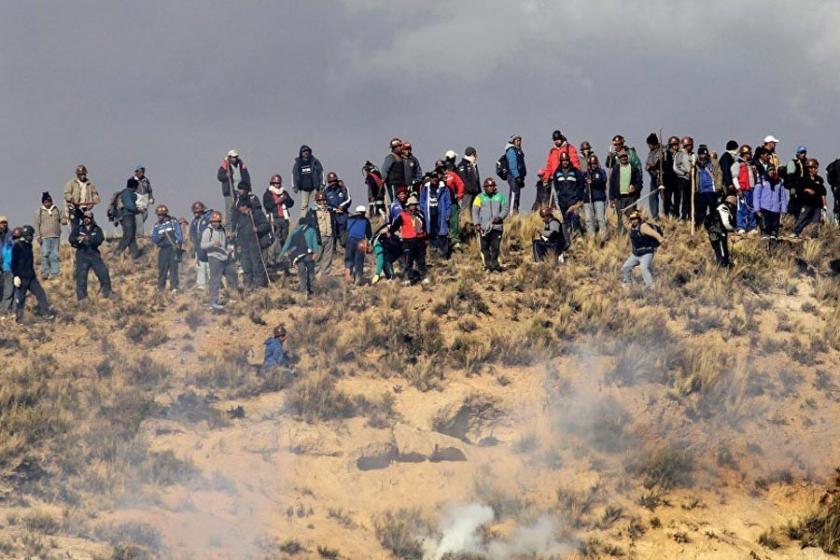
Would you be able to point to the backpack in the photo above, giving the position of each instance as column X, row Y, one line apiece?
column 502, row 167
column 115, row 207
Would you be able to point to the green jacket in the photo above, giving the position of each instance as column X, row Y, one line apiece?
column 487, row 208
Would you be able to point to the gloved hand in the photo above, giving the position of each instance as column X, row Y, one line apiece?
column 17, row 282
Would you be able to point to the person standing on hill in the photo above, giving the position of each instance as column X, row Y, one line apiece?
column 393, row 169
column 595, row 197
column 436, row 206
column 709, row 184
column 771, row 202
column 489, row 212
column 169, row 238
column 795, row 173
column 625, row 186
column 300, row 248
column 250, row 228
column 569, row 188
column 516, row 171
column 48, row 221
column 468, row 173
column 145, row 198
column 411, row 226
column 276, row 201
column 24, row 279
column 672, row 195
column 744, row 175
column 7, row 286
column 200, row 222
column 684, row 167
column 80, row 194
column 413, row 171
column 655, row 166
column 86, row 239
column 812, row 196
column 220, row 258
column 232, row 172
column 338, row 201
column 543, row 189
column 585, row 153
column 644, row 239
column 561, row 146
column 375, row 191
column 359, row 233
column 128, row 210
column 324, row 221
column 718, row 225
column 457, row 191
column 729, row 157
column 619, row 147
column 307, row 177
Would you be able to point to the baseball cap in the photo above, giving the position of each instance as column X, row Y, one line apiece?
column 801, row 149
column 771, row 138
column 233, row 153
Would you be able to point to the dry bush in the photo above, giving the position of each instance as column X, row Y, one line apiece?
column 665, row 469
column 821, row 529
column 315, row 397
column 397, row 532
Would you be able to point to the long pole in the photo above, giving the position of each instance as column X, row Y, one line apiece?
column 641, row 198
column 259, row 250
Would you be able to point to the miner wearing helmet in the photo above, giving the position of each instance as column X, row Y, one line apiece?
column 220, row 258
column 549, row 238
column 569, row 193
column 277, row 202
column 23, row 273
column 200, row 221
column 86, row 239
column 167, row 235
column 80, row 194
column 489, row 211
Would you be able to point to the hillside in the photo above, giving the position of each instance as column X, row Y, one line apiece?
column 545, row 412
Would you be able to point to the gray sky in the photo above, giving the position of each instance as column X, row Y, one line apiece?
column 174, row 85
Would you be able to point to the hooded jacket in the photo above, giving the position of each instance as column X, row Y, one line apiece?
column 595, row 181
column 197, row 227
column 709, row 175
column 769, row 197
column 307, row 174
column 487, row 208
column 516, row 161
column 6, row 243
column 468, row 172
column 22, row 261
column 413, row 172
column 214, row 243
column 441, row 200
column 244, row 228
column 683, row 163
column 226, row 175
column 48, row 222
column 128, row 201
column 726, row 160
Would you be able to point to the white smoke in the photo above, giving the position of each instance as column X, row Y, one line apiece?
column 460, row 531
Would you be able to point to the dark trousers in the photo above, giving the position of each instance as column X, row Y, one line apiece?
column 85, row 262
column 414, row 252
column 221, row 269
column 621, row 204
column 515, row 193
column 441, row 243
column 794, row 206
column 770, row 223
column 31, row 285
column 167, row 267
column 720, row 245
column 807, row 216
column 671, row 199
column 306, row 273
column 129, row 236
column 252, row 268
column 571, row 222
column 683, row 200
column 704, row 205
column 354, row 259
column 490, row 244
column 543, row 248
column 653, row 200
column 542, row 198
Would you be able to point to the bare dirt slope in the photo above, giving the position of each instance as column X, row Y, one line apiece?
column 542, row 413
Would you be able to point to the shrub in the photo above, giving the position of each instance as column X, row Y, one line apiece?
column 397, row 531
column 315, row 397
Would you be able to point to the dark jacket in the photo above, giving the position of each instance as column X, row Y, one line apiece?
column 225, row 177
column 277, row 206
column 86, row 240
column 413, row 172
column 615, row 183
column 23, row 264
column 245, row 235
column 128, row 200
column 307, row 174
column 726, row 161
column 393, row 171
column 568, row 186
column 375, row 186
column 470, row 176
column 815, row 184
column 167, row 232
column 197, row 227
column 595, row 181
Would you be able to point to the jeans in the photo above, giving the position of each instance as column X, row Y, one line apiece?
column 324, row 262
column 202, row 273
column 167, row 267
column 745, row 218
column 354, row 259
column 31, row 285
column 592, row 212
column 770, row 223
column 621, row 204
column 49, row 256
column 85, row 262
column 704, row 205
column 7, row 292
column 129, row 236
column 306, row 273
column 221, row 269
column 250, row 257
column 515, row 192
column 653, row 200
column 684, row 194
column 633, row 261
column 808, row 215
column 490, row 244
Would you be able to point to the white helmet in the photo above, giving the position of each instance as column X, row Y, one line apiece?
column 450, row 154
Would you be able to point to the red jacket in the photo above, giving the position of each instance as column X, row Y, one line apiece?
column 455, row 184
column 553, row 161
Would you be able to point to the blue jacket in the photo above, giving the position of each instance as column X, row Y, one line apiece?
column 164, row 232
column 358, row 227
column 338, row 197
column 705, row 178
column 275, row 356
column 197, row 227
column 770, row 198
column 444, row 208
column 6, row 250
column 128, row 198
column 596, row 184
column 396, row 210
column 516, row 161
column 568, row 186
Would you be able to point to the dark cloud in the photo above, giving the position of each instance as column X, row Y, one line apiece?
column 174, row 85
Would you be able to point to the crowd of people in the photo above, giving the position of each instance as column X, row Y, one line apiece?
column 409, row 212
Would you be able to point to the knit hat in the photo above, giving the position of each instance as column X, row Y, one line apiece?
column 731, row 145
column 45, row 196
column 469, row 151
column 703, row 150
column 514, row 137
column 556, row 135
column 243, row 186
column 652, row 139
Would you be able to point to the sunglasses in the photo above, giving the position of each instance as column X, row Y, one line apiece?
column 813, row 167
column 275, row 183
